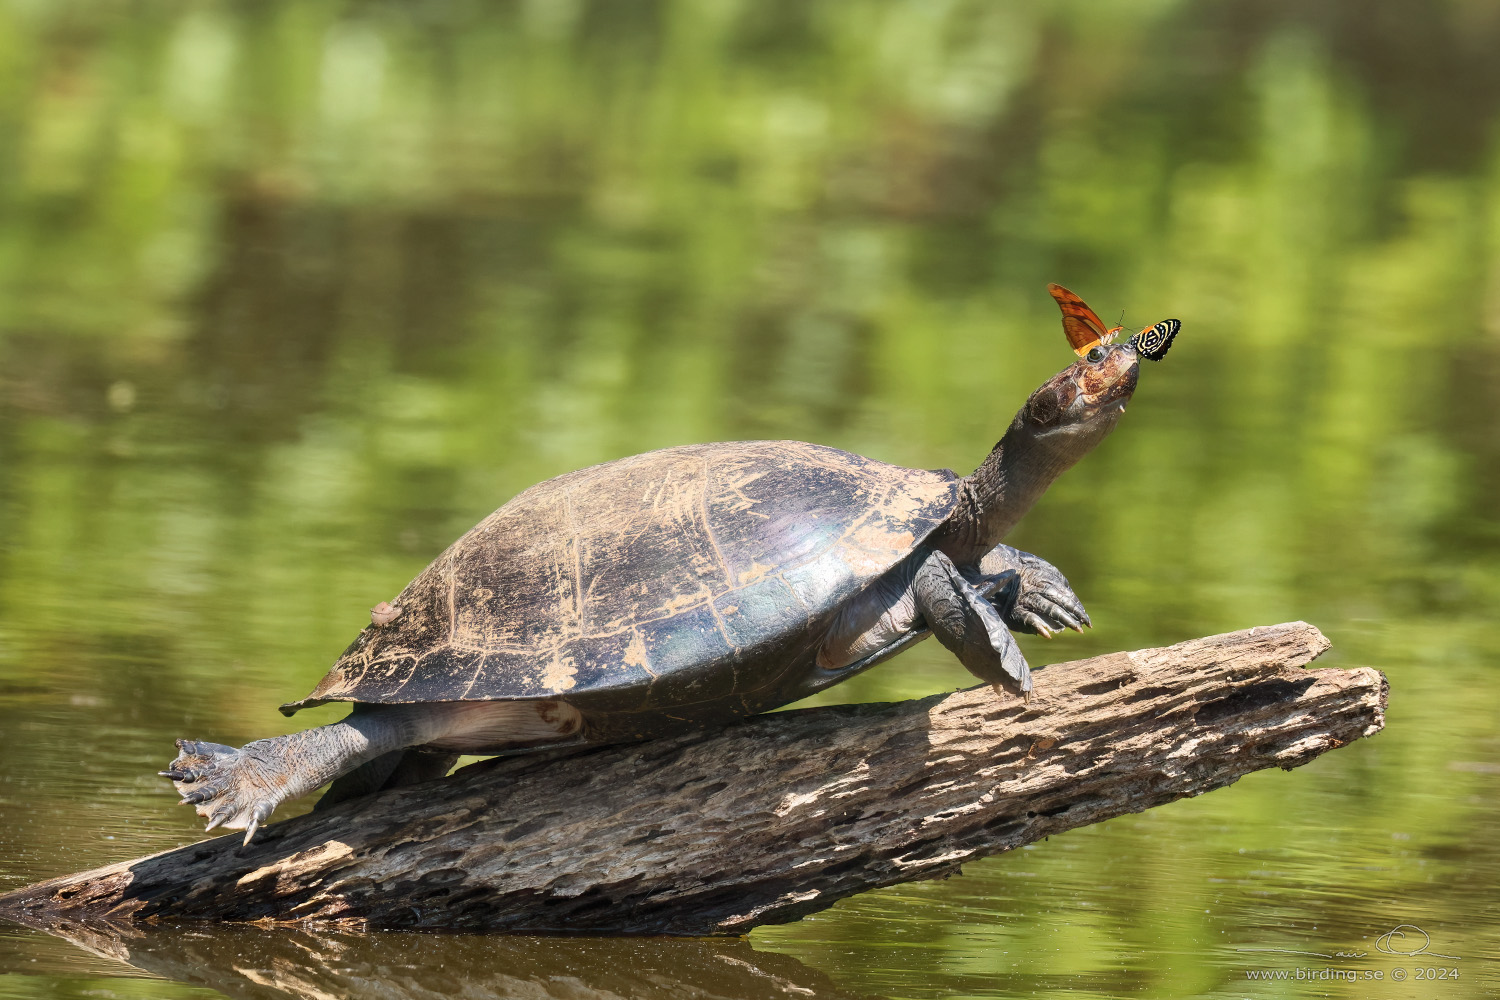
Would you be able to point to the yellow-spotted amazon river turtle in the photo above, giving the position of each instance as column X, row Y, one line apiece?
column 686, row 586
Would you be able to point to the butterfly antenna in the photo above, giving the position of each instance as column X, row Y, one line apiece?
column 1116, row 330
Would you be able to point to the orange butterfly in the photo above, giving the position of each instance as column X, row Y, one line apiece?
column 1082, row 325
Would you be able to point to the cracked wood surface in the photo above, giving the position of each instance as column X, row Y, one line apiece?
column 766, row 820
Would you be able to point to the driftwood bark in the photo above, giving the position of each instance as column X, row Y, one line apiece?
column 769, row 819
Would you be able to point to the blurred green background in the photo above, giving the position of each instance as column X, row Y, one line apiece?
column 293, row 293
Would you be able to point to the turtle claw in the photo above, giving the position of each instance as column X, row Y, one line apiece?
column 233, row 788
column 1029, row 622
column 1066, row 608
column 1051, row 608
column 219, row 815
column 258, row 815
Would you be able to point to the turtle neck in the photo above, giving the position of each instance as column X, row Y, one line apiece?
column 1012, row 478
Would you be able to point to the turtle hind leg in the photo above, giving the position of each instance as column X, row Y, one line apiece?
column 366, row 779
column 968, row 624
column 239, row 788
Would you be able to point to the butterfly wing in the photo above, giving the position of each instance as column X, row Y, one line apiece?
column 1153, row 341
column 1080, row 323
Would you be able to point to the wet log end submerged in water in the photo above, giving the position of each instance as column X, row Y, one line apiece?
column 767, row 820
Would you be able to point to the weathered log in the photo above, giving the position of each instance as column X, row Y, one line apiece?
column 769, row 819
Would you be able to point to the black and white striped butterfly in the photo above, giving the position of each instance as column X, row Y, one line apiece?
column 1153, row 341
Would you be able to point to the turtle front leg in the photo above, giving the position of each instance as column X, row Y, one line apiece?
column 1031, row 594
column 968, row 624
column 239, row 788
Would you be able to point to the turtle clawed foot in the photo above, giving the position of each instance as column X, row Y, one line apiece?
column 1044, row 603
column 1042, row 615
column 225, row 785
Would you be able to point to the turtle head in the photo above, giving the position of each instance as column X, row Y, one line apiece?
column 1086, row 398
column 1061, row 422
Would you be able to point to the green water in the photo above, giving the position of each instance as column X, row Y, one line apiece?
column 291, row 294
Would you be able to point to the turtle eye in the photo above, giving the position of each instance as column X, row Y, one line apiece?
column 1095, row 355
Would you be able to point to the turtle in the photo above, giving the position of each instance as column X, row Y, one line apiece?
column 686, row 587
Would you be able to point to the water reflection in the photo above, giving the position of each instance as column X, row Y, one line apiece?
column 261, row 964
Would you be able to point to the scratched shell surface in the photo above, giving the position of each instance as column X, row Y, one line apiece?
column 677, row 576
